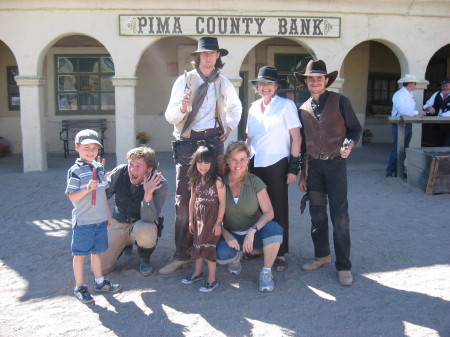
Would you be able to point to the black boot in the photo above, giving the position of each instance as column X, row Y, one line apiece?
column 144, row 260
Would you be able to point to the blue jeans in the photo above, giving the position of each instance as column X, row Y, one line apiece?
column 391, row 168
column 272, row 232
column 90, row 239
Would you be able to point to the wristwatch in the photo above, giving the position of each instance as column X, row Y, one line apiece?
column 255, row 227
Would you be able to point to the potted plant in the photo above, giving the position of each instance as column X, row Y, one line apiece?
column 143, row 138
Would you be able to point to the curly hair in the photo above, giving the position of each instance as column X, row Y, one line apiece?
column 204, row 154
column 146, row 153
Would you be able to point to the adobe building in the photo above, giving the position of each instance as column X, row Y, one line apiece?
column 118, row 60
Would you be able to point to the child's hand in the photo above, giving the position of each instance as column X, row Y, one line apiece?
column 191, row 228
column 217, row 229
column 93, row 185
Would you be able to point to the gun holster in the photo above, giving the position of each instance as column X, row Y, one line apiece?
column 159, row 225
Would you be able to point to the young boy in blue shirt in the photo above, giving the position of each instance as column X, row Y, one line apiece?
column 90, row 216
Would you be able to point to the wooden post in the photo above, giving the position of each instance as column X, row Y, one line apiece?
column 401, row 148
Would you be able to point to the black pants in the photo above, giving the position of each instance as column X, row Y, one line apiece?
column 183, row 240
column 274, row 176
column 329, row 178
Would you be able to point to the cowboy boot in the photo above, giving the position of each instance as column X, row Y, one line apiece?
column 144, row 260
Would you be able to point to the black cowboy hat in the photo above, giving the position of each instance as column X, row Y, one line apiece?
column 445, row 80
column 268, row 74
column 316, row 68
column 208, row 43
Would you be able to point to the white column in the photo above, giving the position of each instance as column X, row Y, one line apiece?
column 125, row 92
column 416, row 139
column 34, row 149
column 237, row 82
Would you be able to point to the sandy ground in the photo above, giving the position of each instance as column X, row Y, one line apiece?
column 400, row 253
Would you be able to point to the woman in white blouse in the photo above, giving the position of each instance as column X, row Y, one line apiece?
column 273, row 136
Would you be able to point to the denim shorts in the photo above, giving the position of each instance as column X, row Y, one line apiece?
column 90, row 239
column 272, row 232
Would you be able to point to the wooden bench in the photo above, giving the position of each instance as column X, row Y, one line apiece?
column 71, row 126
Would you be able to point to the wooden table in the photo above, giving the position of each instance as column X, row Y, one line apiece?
column 402, row 121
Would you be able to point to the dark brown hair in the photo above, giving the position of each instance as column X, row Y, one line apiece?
column 204, row 154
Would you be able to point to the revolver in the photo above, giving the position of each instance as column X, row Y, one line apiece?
column 187, row 91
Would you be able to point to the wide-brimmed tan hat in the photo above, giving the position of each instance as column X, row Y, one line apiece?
column 316, row 68
column 409, row 78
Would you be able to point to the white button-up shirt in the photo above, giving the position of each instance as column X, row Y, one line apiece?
column 269, row 131
column 430, row 102
column 404, row 104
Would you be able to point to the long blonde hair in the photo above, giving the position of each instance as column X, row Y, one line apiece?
column 232, row 149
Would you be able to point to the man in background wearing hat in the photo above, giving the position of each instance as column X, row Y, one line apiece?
column 330, row 129
column 203, row 106
column 439, row 105
column 403, row 104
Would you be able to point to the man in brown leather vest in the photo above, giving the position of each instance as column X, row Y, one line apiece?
column 330, row 130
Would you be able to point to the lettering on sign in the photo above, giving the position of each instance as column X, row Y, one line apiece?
column 149, row 24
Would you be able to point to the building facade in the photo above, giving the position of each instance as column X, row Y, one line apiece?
column 102, row 59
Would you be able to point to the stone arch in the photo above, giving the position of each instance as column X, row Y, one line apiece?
column 438, row 67
column 284, row 53
column 371, row 70
column 70, row 43
column 10, row 107
column 160, row 64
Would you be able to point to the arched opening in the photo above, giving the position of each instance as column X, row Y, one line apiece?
column 10, row 132
column 79, row 72
column 371, row 70
column 437, row 69
column 158, row 68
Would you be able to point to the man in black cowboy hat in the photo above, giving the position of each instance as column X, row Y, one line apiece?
column 203, row 106
column 439, row 105
column 330, row 129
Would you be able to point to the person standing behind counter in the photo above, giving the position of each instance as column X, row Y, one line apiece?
column 403, row 104
column 439, row 105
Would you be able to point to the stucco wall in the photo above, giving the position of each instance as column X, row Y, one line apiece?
column 398, row 25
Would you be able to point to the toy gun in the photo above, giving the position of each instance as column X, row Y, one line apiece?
column 346, row 144
column 187, row 91
column 94, row 192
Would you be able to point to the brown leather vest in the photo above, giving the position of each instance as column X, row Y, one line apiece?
column 323, row 137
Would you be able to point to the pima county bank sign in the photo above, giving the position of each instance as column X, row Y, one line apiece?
column 152, row 25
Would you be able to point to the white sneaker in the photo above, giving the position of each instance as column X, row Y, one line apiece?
column 265, row 281
column 235, row 266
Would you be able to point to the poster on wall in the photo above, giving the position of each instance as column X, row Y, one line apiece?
column 13, row 88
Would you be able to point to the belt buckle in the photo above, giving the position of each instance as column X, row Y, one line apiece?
column 323, row 157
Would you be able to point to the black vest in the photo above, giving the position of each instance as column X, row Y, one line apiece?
column 441, row 104
column 127, row 205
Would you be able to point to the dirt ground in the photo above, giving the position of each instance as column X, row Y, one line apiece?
column 400, row 254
